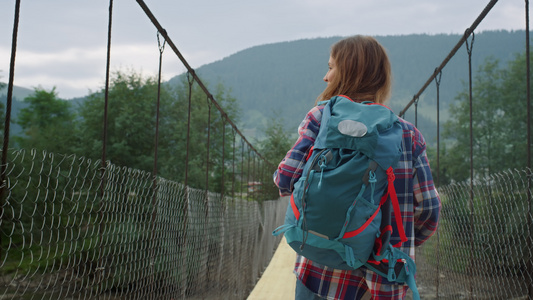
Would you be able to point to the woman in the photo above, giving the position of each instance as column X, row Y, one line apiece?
column 360, row 69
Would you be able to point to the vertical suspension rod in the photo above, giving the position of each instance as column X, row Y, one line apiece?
column 161, row 47
column 207, row 158
column 101, row 262
column 528, row 149
column 191, row 71
column 106, row 91
column 469, row 48
column 471, row 29
column 437, row 83
column 190, row 82
column 5, row 146
column 223, row 168
column 416, row 111
column 233, row 165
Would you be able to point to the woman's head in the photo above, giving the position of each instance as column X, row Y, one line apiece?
column 360, row 69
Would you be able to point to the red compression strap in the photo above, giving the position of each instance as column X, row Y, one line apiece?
column 295, row 208
column 350, row 234
column 396, row 207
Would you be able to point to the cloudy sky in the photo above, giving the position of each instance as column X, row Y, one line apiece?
column 62, row 43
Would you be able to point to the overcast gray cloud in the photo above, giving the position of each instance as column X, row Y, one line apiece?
column 63, row 43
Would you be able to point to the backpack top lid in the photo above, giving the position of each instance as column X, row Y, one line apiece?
column 371, row 129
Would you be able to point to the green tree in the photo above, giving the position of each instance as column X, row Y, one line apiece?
column 274, row 148
column 498, row 122
column 131, row 120
column 513, row 105
column 277, row 141
column 205, row 120
column 132, row 104
column 48, row 123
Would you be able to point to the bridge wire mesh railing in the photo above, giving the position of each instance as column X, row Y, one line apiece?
column 63, row 240
column 498, row 266
column 72, row 227
column 483, row 248
column 138, row 236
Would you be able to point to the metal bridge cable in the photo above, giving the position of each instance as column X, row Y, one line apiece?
column 9, row 101
column 469, row 48
column 191, row 71
column 471, row 29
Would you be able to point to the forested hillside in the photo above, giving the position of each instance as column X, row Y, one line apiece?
column 19, row 93
column 284, row 79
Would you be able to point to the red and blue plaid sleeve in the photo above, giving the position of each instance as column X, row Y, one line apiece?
column 291, row 167
column 426, row 198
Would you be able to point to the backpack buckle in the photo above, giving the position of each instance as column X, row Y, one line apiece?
column 370, row 173
column 322, row 161
column 390, row 174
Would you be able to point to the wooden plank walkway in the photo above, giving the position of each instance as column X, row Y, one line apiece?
column 278, row 281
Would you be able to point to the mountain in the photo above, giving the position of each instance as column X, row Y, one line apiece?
column 19, row 93
column 282, row 80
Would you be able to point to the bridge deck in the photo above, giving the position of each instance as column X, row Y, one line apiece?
column 278, row 281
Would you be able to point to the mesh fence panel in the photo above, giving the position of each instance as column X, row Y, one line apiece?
column 70, row 230
column 483, row 246
column 66, row 232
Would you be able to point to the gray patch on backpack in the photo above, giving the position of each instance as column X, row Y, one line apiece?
column 352, row 128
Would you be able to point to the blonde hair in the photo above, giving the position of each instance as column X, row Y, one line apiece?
column 363, row 71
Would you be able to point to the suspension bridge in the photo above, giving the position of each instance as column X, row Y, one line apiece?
column 74, row 227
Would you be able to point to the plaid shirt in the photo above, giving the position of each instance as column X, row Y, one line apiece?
column 419, row 205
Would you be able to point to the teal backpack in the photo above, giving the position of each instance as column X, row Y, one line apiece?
column 339, row 214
